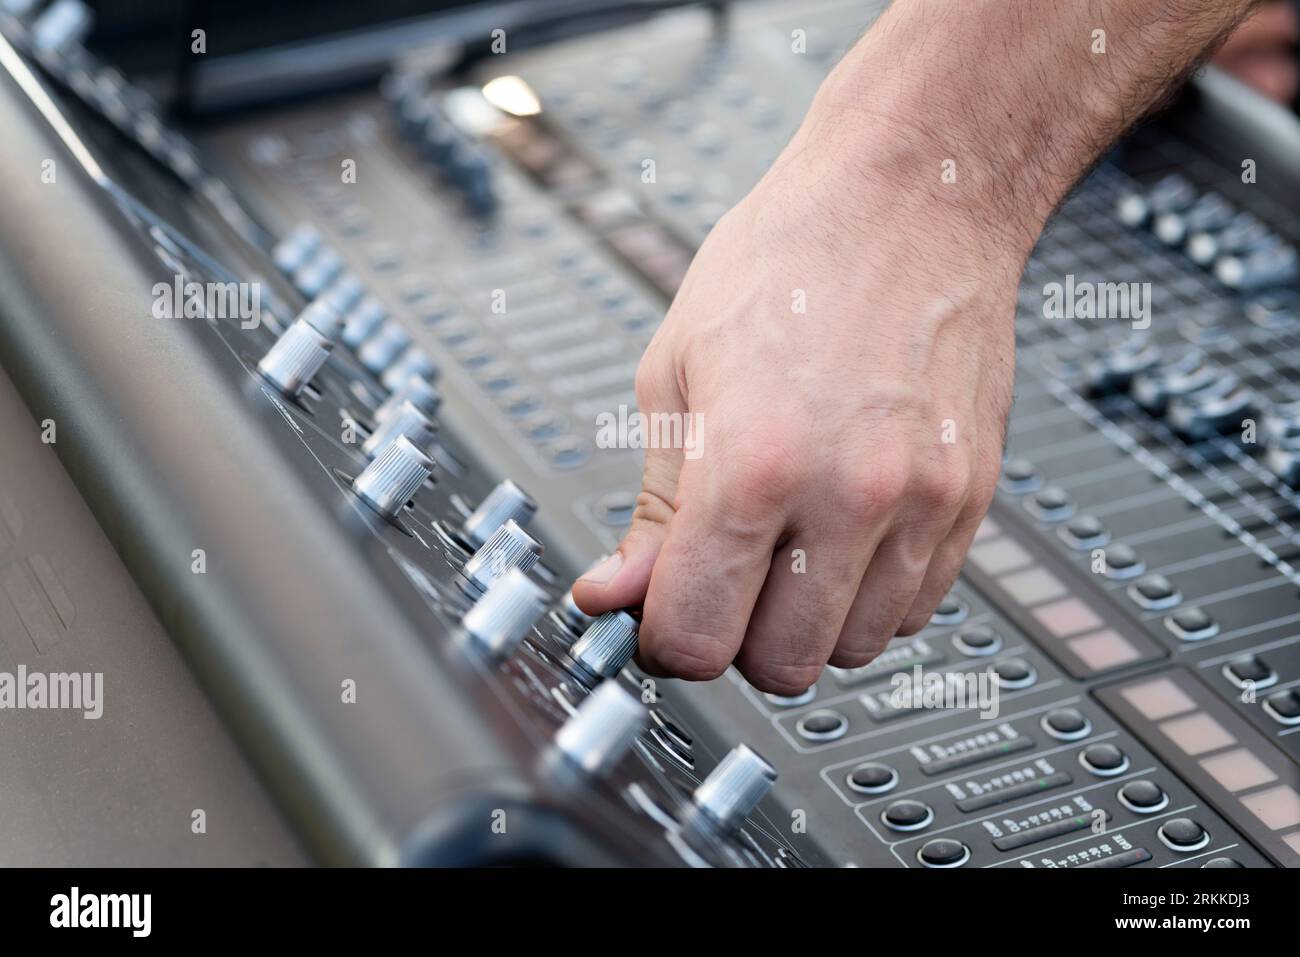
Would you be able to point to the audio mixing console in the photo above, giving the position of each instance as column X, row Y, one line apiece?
column 395, row 477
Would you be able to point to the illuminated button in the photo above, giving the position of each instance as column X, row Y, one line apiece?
column 1283, row 707
column 1066, row 724
column 1104, row 760
column 823, row 725
column 1014, row 673
column 1154, row 592
column 1192, row 624
column 1122, row 563
column 1183, row 835
column 907, row 816
column 943, row 852
column 1143, row 797
column 1084, row 532
column 949, row 612
column 873, row 778
column 1020, row 475
column 1250, row 671
column 977, row 641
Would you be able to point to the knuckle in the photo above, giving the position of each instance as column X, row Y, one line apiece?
column 943, row 487
column 866, row 494
column 761, row 476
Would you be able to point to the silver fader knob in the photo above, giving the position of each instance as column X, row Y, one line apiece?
column 392, row 480
column 417, row 391
column 505, row 502
column 296, row 357
column 506, row 548
column 603, row 729
column 367, row 316
column 607, row 645
column 291, row 253
column 315, row 275
column 501, row 618
column 414, row 361
column 324, row 318
column 735, row 787
column 345, row 292
column 572, row 614
column 408, row 421
column 378, row 352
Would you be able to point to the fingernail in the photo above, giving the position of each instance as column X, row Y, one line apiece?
column 603, row 572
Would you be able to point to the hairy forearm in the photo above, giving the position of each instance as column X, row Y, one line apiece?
column 992, row 109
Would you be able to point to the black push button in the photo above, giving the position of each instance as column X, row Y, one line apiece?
column 977, row 641
column 822, row 726
column 1019, row 475
column 907, row 815
column 1051, row 504
column 1283, row 707
column 949, row 612
column 1250, row 670
column 1143, row 797
column 1104, row 760
column 1122, row 562
column 1216, row 862
column 1066, row 724
column 1084, row 532
column 1154, row 591
column 1015, row 673
column 942, row 852
column 873, row 778
column 1192, row 624
column 1184, row 835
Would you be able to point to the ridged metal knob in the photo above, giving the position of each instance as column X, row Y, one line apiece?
column 344, row 292
column 568, row 610
column 414, row 361
column 506, row 548
column 314, row 276
column 735, row 787
column 607, row 645
column 367, row 316
column 417, row 391
column 296, row 248
column 296, row 357
column 603, row 729
column 502, row 617
column 386, row 344
column 392, row 480
column 505, row 502
column 407, row 421
column 324, row 318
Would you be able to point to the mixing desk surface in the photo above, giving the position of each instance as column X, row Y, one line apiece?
column 393, row 468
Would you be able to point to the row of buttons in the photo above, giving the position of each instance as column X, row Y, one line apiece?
column 825, row 724
column 1150, row 592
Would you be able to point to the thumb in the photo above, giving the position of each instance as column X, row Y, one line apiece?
column 621, row 580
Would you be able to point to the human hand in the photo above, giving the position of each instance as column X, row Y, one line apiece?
column 1262, row 54
column 847, row 450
